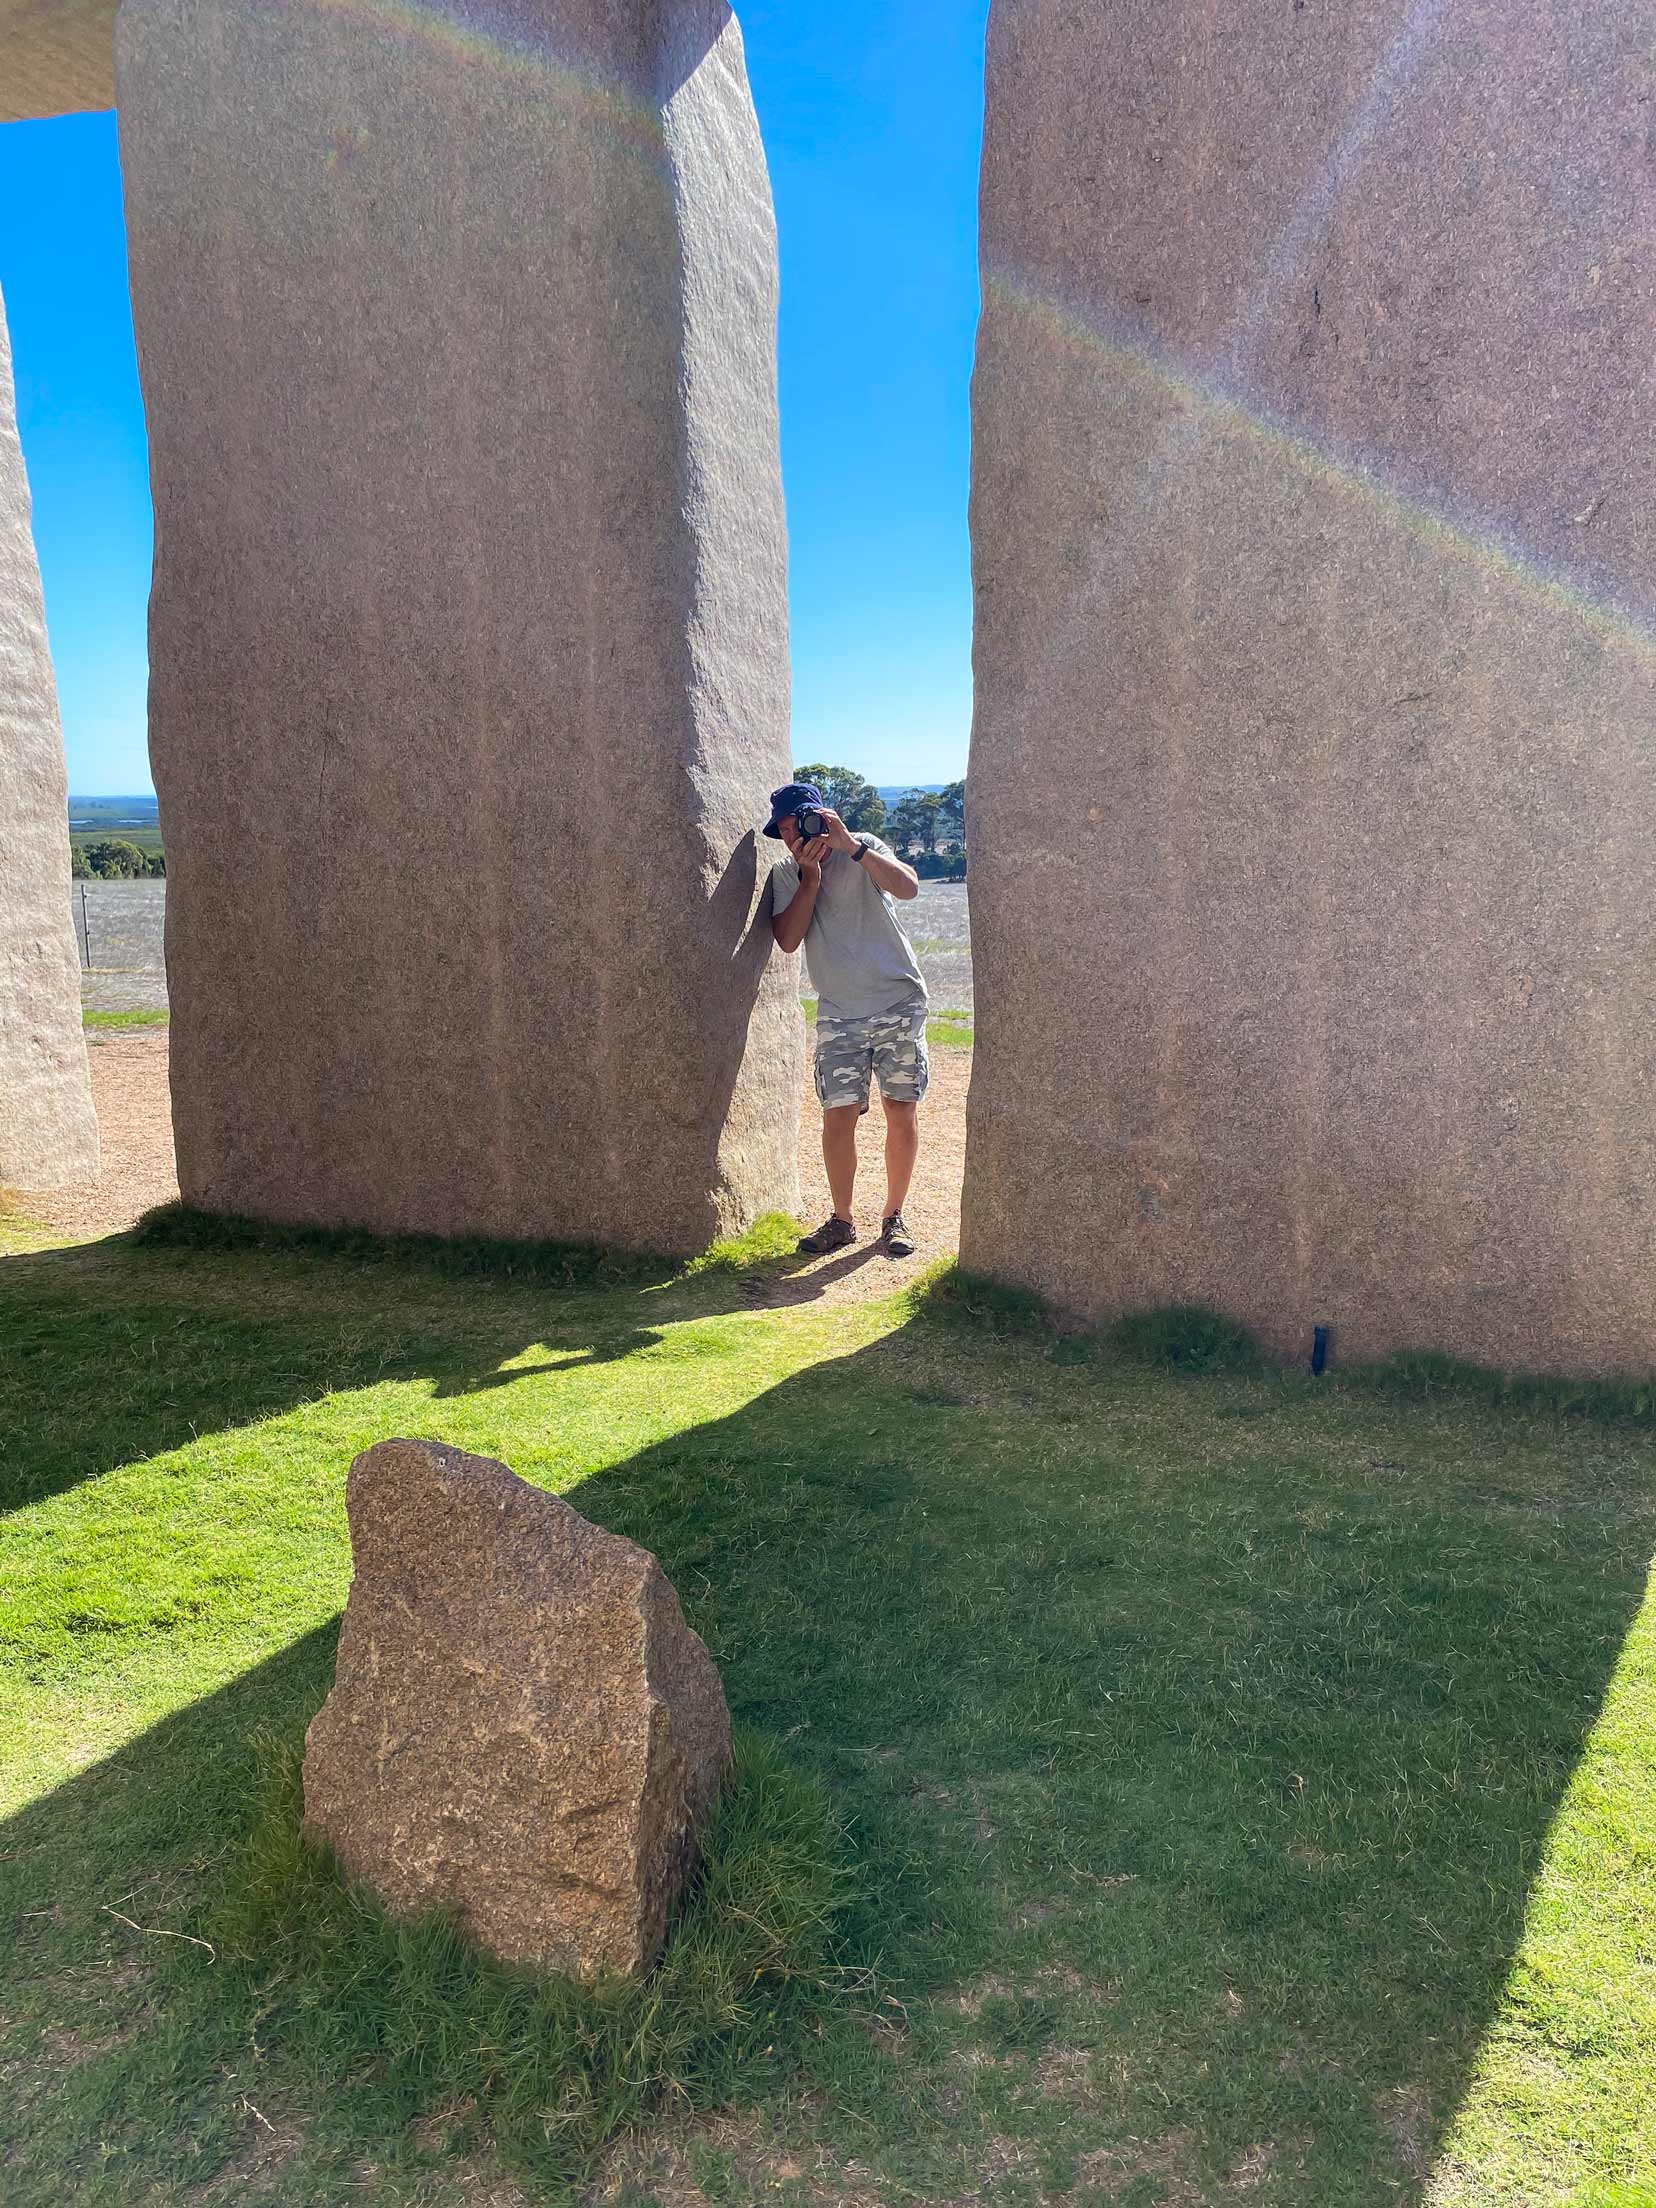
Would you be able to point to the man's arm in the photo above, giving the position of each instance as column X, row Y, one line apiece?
column 789, row 926
column 891, row 875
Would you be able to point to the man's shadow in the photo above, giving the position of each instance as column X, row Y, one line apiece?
column 775, row 1284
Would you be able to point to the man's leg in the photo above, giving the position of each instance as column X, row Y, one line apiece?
column 839, row 1154
column 901, row 1062
column 902, row 1147
column 844, row 1067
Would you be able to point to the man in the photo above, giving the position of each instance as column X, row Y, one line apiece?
column 838, row 894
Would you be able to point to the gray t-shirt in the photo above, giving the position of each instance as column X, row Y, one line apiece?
column 856, row 953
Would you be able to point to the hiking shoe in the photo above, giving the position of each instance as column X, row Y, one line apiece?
column 896, row 1237
column 833, row 1234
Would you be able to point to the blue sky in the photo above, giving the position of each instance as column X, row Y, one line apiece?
column 871, row 120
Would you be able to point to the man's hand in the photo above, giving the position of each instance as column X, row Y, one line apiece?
column 809, row 857
column 790, row 924
column 839, row 837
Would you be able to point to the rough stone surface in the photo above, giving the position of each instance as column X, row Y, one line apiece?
column 48, row 1134
column 523, row 1731
column 468, row 633
column 56, row 57
column 1314, row 521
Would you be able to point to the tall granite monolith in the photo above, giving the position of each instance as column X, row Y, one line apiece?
column 468, row 634
column 48, row 1134
column 1313, row 760
column 56, row 57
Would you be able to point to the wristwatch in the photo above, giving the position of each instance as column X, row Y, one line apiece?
column 860, row 853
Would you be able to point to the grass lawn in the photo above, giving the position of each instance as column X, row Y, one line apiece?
column 121, row 1020
column 1251, row 1781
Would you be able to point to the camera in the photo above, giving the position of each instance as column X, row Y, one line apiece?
column 810, row 826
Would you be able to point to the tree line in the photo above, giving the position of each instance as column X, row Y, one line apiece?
column 925, row 827
column 113, row 859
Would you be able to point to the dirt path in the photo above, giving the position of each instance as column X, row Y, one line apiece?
column 129, row 1088
column 129, row 1092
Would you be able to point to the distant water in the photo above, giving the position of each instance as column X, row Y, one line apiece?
column 103, row 815
column 895, row 792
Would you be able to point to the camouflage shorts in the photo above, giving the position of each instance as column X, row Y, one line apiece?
column 891, row 1045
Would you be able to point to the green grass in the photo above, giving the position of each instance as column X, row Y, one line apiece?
column 949, row 1033
column 98, row 1020
column 757, row 1960
column 1234, row 1783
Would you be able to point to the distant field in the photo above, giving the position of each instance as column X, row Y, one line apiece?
column 125, row 921
column 132, row 819
column 939, row 927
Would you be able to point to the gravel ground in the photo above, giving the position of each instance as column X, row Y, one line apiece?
column 127, row 973
column 129, row 1088
column 129, row 1092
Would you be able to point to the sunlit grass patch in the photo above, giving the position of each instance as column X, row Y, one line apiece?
column 18, row 1231
column 115, row 1021
column 1560, row 2092
column 950, row 1030
column 773, row 1234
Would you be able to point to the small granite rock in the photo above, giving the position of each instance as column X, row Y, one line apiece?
column 523, row 1731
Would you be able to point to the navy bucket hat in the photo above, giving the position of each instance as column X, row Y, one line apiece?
column 793, row 797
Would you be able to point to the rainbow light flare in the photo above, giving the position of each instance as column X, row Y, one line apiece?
column 1134, row 355
column 458, row 31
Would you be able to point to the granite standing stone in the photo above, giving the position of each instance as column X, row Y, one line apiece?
column 1314, row 525
column 48, row 1134
column 56, row 56
column 523, row 1732
column 469, row 634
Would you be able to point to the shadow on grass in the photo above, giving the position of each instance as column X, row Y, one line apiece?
column 118, row 1351
column 1267, row 1748
column 1219, row 1728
